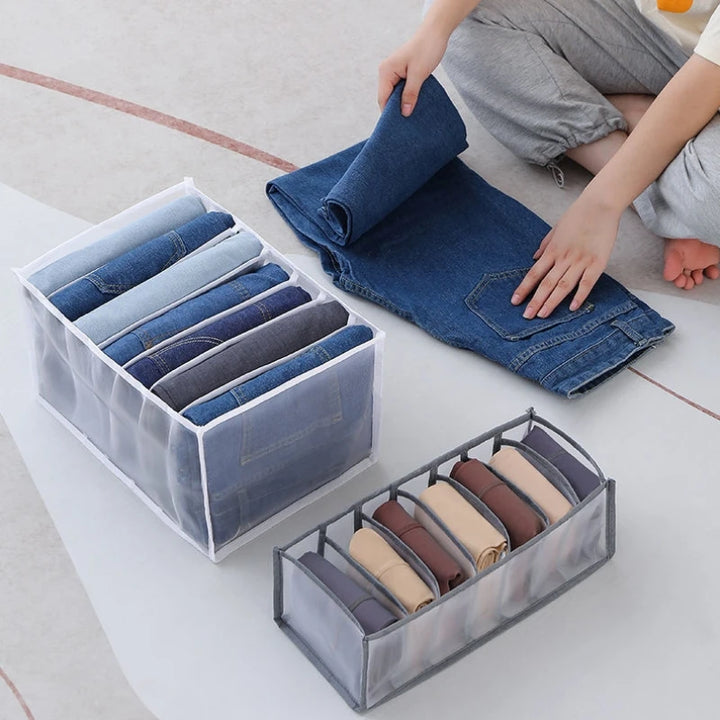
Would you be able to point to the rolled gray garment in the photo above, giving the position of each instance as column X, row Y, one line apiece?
column 269, row 342
column 368, row 611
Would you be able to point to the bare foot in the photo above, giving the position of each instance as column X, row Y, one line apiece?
column 688, row 261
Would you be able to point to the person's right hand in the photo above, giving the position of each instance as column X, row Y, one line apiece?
column 412, row 62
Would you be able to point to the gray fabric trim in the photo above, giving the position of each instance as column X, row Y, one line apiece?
column 491, row 635
column 406, row 553
column 379, row 587
column 606, row 486
column 552, row 474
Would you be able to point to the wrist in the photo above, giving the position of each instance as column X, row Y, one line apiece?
column 602, row 197
column 436, row 27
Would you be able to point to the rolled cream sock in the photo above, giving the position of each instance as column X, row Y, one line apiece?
column 482, row 540
column 512, row 465
column 388, row 568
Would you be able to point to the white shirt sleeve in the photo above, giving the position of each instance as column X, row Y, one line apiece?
column 708, row 45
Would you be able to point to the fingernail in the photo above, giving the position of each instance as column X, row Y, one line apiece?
column 574, row 305
column 406, row 109
column 515, row 299
column 542, row 312
column 527, row 314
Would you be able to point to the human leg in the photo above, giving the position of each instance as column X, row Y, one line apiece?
column 535, row 72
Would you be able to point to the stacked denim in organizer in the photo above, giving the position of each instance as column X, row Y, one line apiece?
column 400, row 220
column 194, row 312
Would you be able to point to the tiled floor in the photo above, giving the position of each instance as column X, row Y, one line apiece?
column 88, row 93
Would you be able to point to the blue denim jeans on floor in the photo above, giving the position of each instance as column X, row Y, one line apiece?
column 191, row 312
column 268, row 343
column 137, row 265
column 450, row 255
column 168, row 287
column 317, row 355
column 82, row 261
column 148, row 370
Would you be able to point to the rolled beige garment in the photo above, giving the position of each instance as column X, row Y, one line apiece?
column 484, row 542
column 375, row 554
column 512, row 465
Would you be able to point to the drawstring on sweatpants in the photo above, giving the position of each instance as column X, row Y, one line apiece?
column 557, row 173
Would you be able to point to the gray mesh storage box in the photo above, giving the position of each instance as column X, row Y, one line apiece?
column 245, row 460
column 367, row 669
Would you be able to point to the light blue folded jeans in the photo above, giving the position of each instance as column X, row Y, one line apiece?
column 78, row 263
column 193, row 311
column 169, row 286
column 137, row 265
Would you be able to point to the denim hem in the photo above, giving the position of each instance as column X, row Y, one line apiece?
column 625, row 341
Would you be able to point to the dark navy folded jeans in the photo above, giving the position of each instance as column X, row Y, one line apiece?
column 137, row 265
column 189, row 313
column 399, row 220
column 151, row 368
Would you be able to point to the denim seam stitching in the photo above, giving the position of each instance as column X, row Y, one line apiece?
column 611, row 314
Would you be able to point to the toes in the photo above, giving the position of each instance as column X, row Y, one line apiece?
column 673, row 266
column 689, row 283
column 712, row 272
column 680, row 281
column 697, row 276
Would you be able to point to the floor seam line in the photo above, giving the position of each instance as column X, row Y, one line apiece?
column 677, row 395
column 146, row 113
column 17, row 694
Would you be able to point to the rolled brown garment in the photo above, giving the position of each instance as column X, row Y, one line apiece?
column 441, row 564
column 482, row 540
column 520, row 520
column 387, row 567
column 512, row 465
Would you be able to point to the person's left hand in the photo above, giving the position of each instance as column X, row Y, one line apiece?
column 573, row 254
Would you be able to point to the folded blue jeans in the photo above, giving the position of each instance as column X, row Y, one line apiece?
column 73, row 266
column 137, row 265
column 317, row 355
column 168, row 287
column 268, row 343
column 263, row 460
column 149, row 369
column 193, row 311
column 448, row 255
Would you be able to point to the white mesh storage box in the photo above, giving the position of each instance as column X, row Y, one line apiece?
column 368, row 668
column 222, row 483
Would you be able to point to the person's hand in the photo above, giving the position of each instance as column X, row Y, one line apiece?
column 572, row 255
column 413, row 62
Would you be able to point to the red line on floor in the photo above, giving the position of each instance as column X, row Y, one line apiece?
column 146, row 113
column 17, row 694
column 689, row 402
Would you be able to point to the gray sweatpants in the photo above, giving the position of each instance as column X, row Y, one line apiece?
column 535, row 73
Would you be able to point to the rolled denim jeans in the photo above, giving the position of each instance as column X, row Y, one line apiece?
column 266, row 344
column 137, row 265
column 148, row 370
column 73, row 266
column 317, row 355
column 169, row 286
column 449, row 256
column 193, row 311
